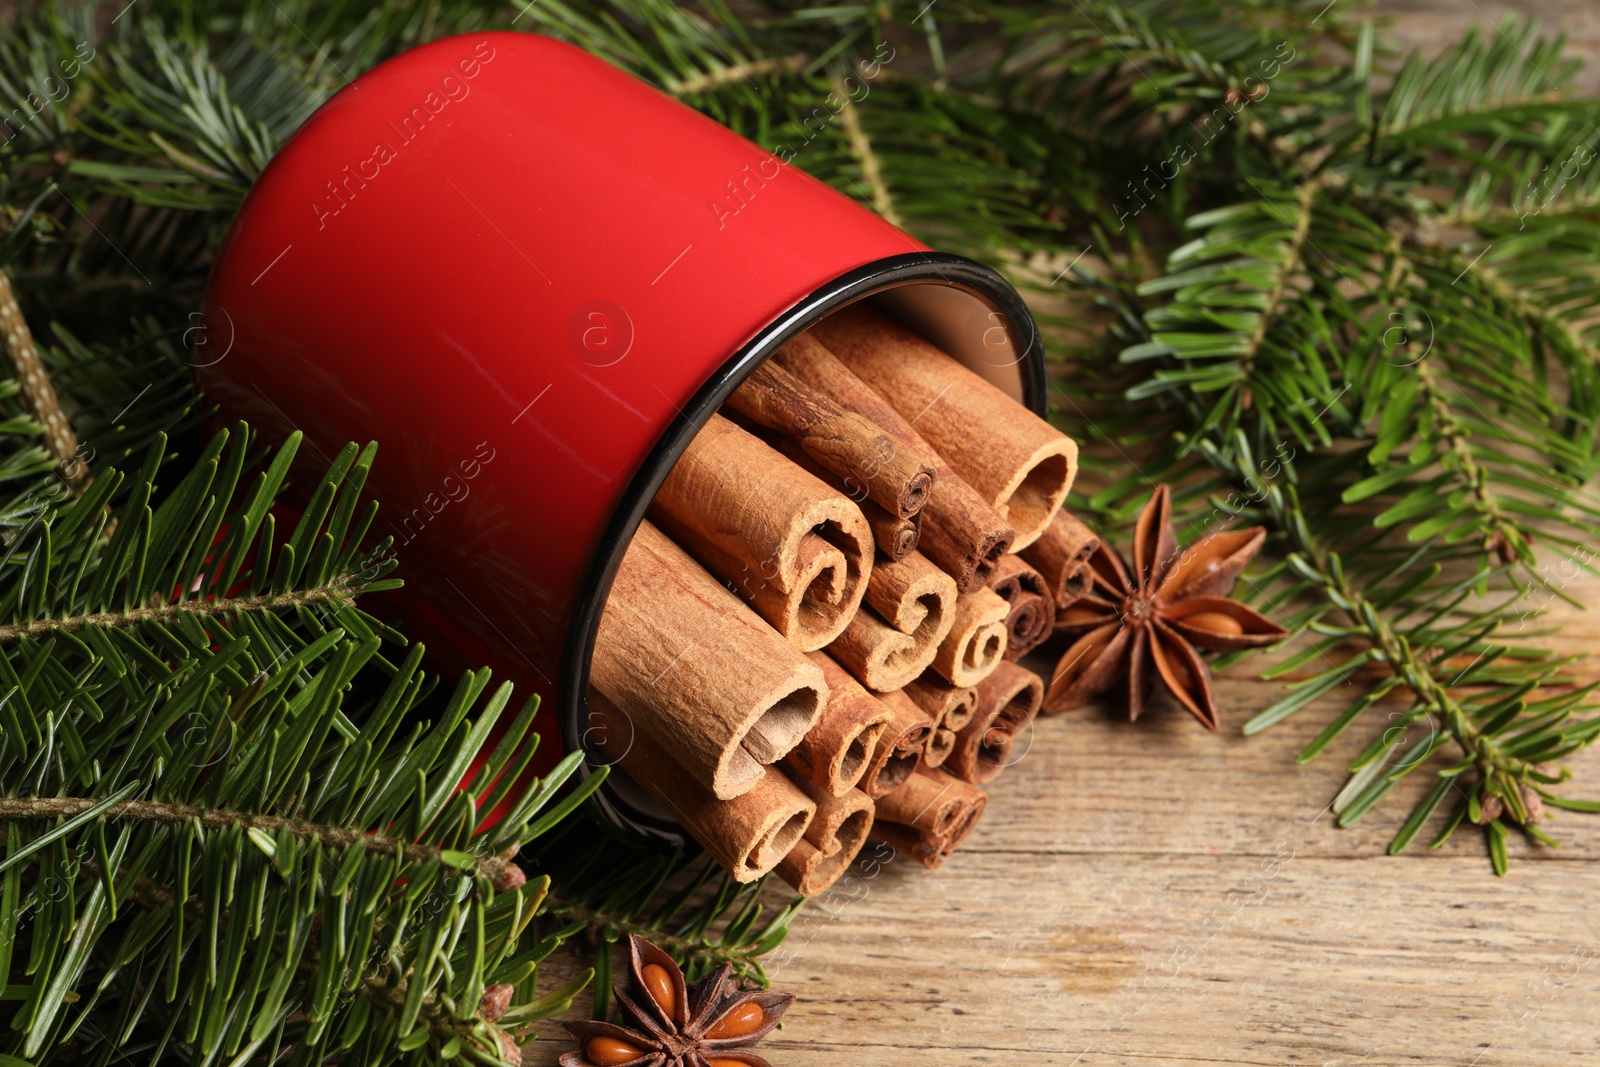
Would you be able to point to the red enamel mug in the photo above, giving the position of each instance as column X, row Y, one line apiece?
column 532, row 278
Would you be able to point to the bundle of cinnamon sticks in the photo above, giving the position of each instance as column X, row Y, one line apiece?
column 811, row 640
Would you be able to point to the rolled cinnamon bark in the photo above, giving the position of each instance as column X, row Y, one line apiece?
column 950, row 706
column 929, row 816
column 847, row 443
column 875, row 652
column 797, row 551
column 964, row 535
column 900, row 746
column 1033, row 609
column 831, row 842
column 1007, row 701
column 1019, row 463
column 893, row 640
column 894, row 536
column 1074, row 583
column 698, row 670
column 836, row 752
column 748, row 835
column 977, row 641
column 1061, row 556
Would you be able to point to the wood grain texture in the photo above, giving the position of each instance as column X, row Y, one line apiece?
column 1119, row 904
column 1430, row 25
column 1150, row 893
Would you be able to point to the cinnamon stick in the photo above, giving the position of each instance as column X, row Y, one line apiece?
column 797, row 551
column 1033, row 609
column 1074, row 583
column 698, row 670
column 1008, row 700
column 895, row 537
column 964, row 535
column 950, row 706
column 929, row 816
column 1061, row 556
column 832, row 841
column 911, row 610
column 748, row 835
column 976, row 641
column 836, row 752
column 1019, row 463
column 900, row 746
column 845, row 442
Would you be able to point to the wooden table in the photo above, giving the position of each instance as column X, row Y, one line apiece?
column 1154, row 894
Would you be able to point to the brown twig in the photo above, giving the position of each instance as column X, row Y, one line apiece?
column 716, row 79
column 861, row 148
column 58, row 435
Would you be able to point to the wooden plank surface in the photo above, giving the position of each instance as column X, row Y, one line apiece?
column 1431, row 24
column 1154, row 894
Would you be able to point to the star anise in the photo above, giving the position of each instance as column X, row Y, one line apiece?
column 1159, row 612
column 707, row 1024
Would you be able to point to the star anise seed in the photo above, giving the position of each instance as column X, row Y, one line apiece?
column 675, row 1024
column 1157, row 613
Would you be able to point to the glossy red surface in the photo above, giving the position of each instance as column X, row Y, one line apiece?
column 512, row 265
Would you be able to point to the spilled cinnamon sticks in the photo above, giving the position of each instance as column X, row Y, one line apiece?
column 1008, row 700
column 830, row 842
column 949, row 706
column 976, row 641
column 900, row 746
column 748, row 834
column 930, row 816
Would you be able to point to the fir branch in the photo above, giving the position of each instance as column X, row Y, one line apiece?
column 1496, row 750
column 866, row 158
column 1480, row 80
column 25, row 361
column 1274, row 329
column 1539, row 318
column 501, row 872
column 1284, row 271
column 340, row 591
column 273, row 750
column 1502, row 538
column 712, row 80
